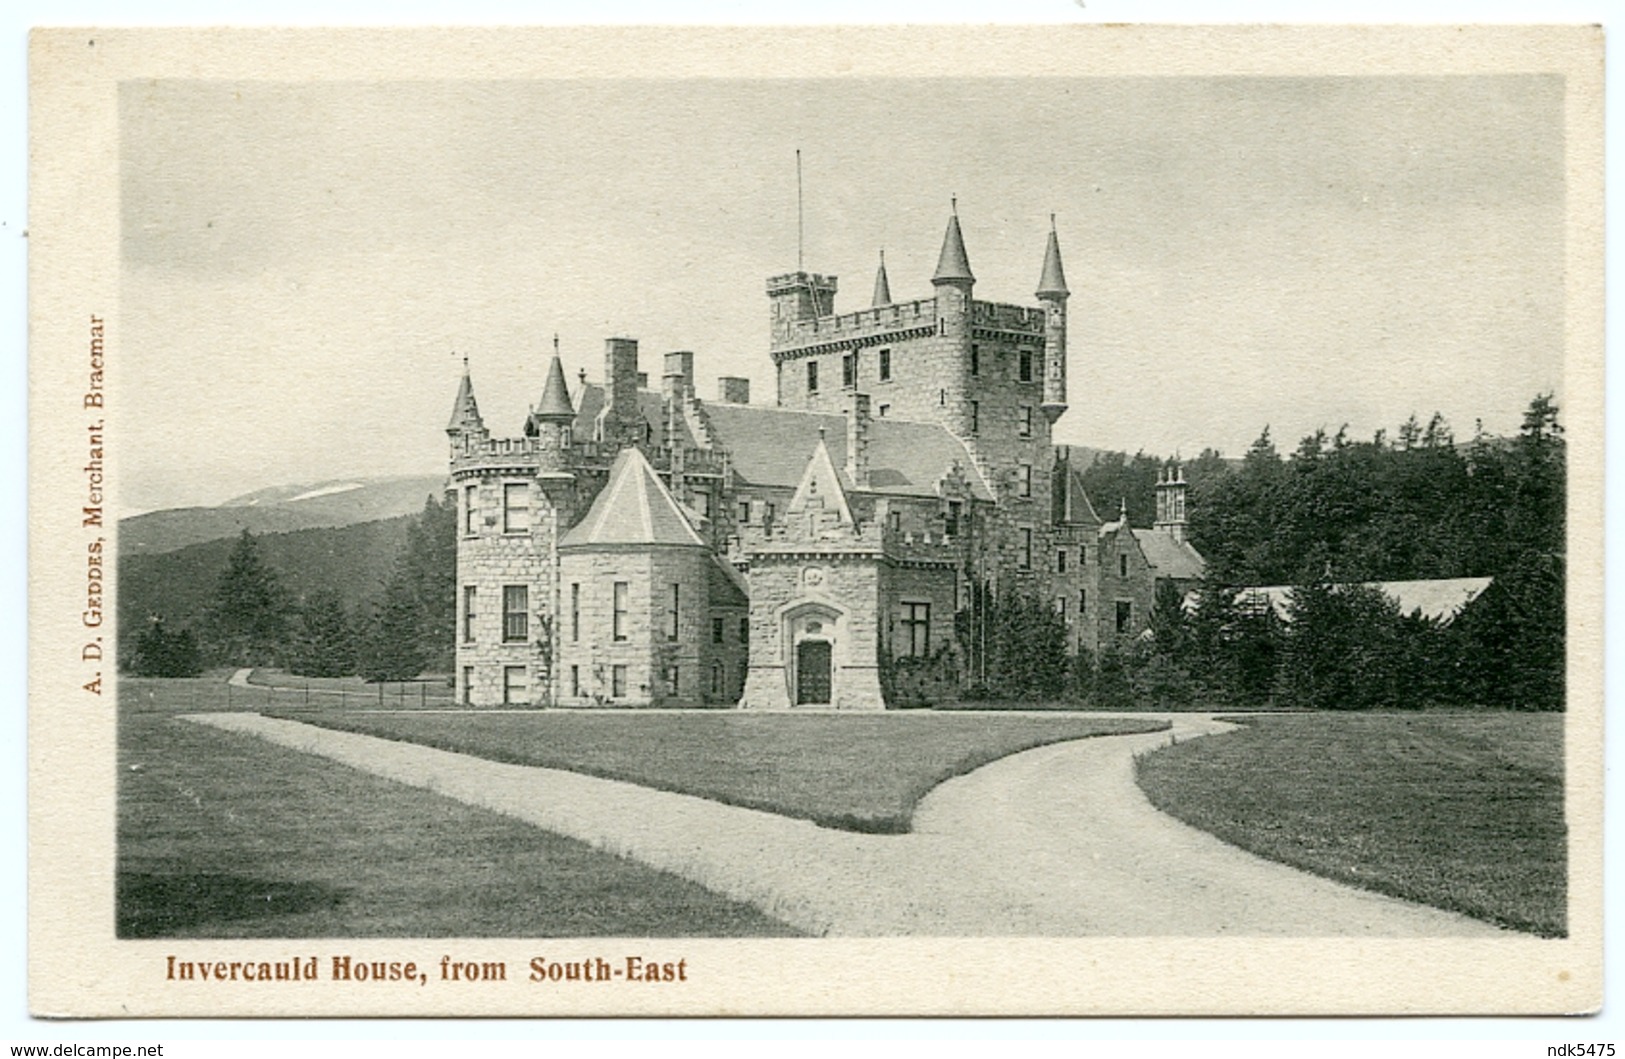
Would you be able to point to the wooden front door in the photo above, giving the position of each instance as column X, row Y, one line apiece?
column 812, row 672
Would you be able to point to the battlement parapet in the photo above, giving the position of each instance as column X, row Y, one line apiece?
column 789, row 281
column 475, row 455
column 1005, row 317
column 878, row 322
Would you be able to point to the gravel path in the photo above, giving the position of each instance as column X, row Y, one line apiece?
column 1057, row 841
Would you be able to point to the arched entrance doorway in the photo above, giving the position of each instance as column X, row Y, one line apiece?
column 813, row 673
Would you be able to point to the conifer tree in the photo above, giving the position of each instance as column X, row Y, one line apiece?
column 326, row 642
column 247, row 621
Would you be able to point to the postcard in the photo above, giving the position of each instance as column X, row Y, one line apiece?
column 1070, row 520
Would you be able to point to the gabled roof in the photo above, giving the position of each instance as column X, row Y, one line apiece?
column 634, row 509
column 822, row 487
column 464, row 410
column 769, row 446
column 1053, row 279
column 1169, row 557
column 952, row 263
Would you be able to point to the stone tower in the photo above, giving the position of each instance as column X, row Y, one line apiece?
column 1171, row 487
column 1052, row 293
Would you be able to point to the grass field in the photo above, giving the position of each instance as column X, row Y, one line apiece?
column 222, row 835
column 1459, row 811
column 858, row 773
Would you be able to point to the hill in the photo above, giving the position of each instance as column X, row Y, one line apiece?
column 177, row 585
column 282, row 509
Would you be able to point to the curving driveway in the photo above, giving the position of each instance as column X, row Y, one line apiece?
column 1057, row 841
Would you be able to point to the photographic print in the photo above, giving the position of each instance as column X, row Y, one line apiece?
column 888, row 521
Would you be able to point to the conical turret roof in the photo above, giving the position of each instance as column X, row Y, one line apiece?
column 556, row 394
column 882, row 286
column 1053, row 281
column 464, row 411
column 635, row 509
column 952, row 264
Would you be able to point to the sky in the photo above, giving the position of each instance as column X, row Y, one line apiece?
column 305, row 265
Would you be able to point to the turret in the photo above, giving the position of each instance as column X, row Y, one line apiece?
column 953, row 281
column 1171, row 502
column 465, row 413
column 550, row 422
column 882, row 296
column 799, row 298
column 1052, row 293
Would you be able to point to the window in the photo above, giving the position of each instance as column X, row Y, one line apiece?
column 516, row 508
column 975, row 416
column 575, row 612
column 768, row 511
column 718, row 679
column 1024, row 422
column 716, row 630
column 1125, row 615
column 1024, row 479
column 1026, row 366
column 744, row 630
column 1060, row 606
column 1060, row 562
column 1026, row 548
column 673, row 612
column 702, row 502
column 515, row 613
column 468, row 685
column 812, row 376
column 849, row 371
column 896, row 518
column 1122, row 564
column 950, row 525
column 1083, row 555
column 885, row 365
column 916, row 629
column 513, row 686
column 617, row 682
column 744, row 512
column 471, row 510
column 975, row 359
column 618, row 611
column 942, row 398
column 1083, row 602
column 575, row 682
column 470, row 594
column 885, row 410
column 673, row 685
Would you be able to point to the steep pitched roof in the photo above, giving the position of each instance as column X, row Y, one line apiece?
column 1053, row 279
column 952, row 263
column 636, row 509
column 1169, row 557
column 768, row 447
column 650, row 403
column 556, row 394
column 725, row 586
column 1072, row 506
column 464, row 410
column 882, row 285
column 821, row 487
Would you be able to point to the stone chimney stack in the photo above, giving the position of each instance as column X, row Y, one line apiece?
column 1171, row 486
column 620, row 421
column 731, row 389
column 857, row 441
column 678, row 380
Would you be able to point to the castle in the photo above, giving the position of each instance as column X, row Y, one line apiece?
column 645, row 547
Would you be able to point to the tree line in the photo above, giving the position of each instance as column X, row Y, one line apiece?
column 252, row 619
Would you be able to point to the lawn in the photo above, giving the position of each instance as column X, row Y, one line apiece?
column 223, row 835
column 855, row 772
column 1459, row 811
